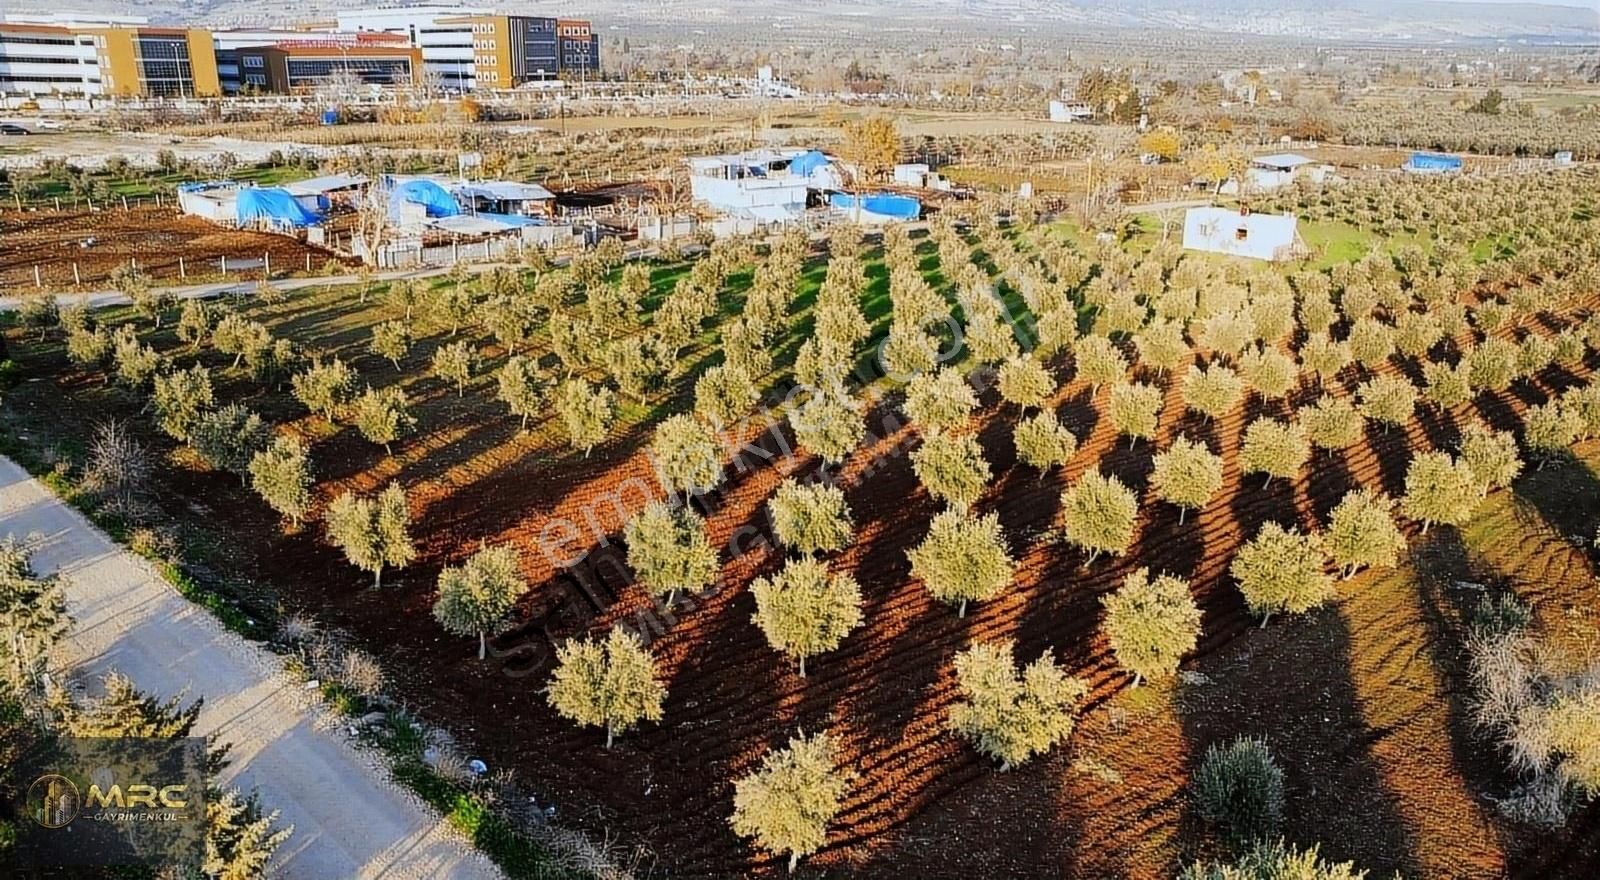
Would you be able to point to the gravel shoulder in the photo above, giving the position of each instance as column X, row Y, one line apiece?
column 349, row 820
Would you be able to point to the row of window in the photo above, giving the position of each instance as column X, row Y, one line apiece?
column 8, row 78
column 253, row 61
column 43, row 41
column 46, row 59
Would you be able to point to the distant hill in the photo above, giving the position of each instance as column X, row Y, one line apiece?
column 1421, row 20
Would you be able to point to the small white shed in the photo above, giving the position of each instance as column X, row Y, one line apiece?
column 1242, row 234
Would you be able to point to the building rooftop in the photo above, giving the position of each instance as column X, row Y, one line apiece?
column 1282, row 160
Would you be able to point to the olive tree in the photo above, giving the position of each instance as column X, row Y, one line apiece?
column 1135, row 409
column 181, row 396
column 1269, row 372
column 962, row 559
column 1362, row 532
column 281, row 475
column 1025, row 382
column 810, row 517
column 454, row 363
column 390, row 341
column 1274, row 448
column 787, row 803
column 1042, row 442
column 229, row 438
column 521, row 387
column 1151, row 623
column 1008, row 714
column 1332, row 423
column 1491, row 455
column 1186, row 474
column 805, row 609
column 686, row 454
column 325, row 388
column 1388, row 400
column 476, row 598
column 829, row 424
column 1440, row 489
column 586, row 412
column 669, row 551
column 1099, row 515
column 724, row 394
column 940, row 401
column 382, row 416
column 1324, row 356
column 608, row 683
column 372, row 532
column 952, row 468
column 1282, row 570
column 1447, row 386
column 1549, row 430
column 1099, row 361
column 1212, row 391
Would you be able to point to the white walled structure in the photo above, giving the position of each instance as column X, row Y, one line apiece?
column 1272, row 237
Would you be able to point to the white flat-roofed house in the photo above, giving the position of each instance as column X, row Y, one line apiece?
column 1273, row 237
column 756, row 185
column 505, row 197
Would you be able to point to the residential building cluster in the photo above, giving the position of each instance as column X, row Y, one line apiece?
column 457, row 48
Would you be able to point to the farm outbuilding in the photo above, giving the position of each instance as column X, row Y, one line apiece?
column 420, row 198
column 246, row 206
column 505, row 197
column 1242, row 234
column 759, row 183
column 321, row 193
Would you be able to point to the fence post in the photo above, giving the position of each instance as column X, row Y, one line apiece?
column 124, row 203
column 58, row 203
column 181, row 272
column 308, row 262
column 455, row 252
column 224, row 264
column 266, row 263
column 76, row 278
column 37, row 281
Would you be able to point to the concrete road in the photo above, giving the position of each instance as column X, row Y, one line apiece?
column 349, row 820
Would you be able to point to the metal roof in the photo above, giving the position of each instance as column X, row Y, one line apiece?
column 504, row 191
column 1282, row 160
column 316, row 186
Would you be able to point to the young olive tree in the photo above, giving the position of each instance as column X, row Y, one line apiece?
column 391, row 340
column 1010, row 715
column 810, row 517
column 687, row 455
column 1099, row 361
column 1212, row 391
column 1549, row 430
column 455, row 363
column 1151, row 624
column 805, row 609
column 1491, row 455
column 1099, row 514
column 281, row 475
column 1042, row 442
column 952, row 468
column 962, row 559
column 1332, row 423
column 1025, row 382
column 325, row 388
column 586, row 412
column 1282, row 570
column 180, row 398
column 608, row 683
column 724, row 394
column 521, row 388
column 1135, row 409
column 1388, row 400
column 1274, row 448
column 229, row 438
column 829, row 425
column 1186, row 474
column 372, row 532
column 476, row 598
column 1362, row 532
column 382, row 416
column 940, row 401
column 669, row 551
column 787, row 803
column 1440, row 489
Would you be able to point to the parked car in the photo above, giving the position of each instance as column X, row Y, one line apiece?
column 12, row 128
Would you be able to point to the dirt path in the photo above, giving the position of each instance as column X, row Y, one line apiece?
column 349, row 821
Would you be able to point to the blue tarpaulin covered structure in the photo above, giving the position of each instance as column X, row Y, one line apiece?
column 886, row 206
column 431, row 196
column 807, row 162
column 270, row 206
column 1432, row 163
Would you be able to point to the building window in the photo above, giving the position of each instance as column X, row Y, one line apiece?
column 253, row 61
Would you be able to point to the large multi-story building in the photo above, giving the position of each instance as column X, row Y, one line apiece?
column 119, row 55
column 467, row 48
column 457, row 47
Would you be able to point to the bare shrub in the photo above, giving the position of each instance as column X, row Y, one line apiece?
column 118, row 467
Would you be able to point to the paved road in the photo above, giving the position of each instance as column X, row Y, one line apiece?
column 350, row 822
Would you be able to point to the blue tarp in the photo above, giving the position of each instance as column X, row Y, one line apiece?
column 430, row 195
column 275, row 207
column 1433, row 162
column 805, row 163
column 882, row 204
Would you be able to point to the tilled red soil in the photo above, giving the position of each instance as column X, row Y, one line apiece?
column 923, row 803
